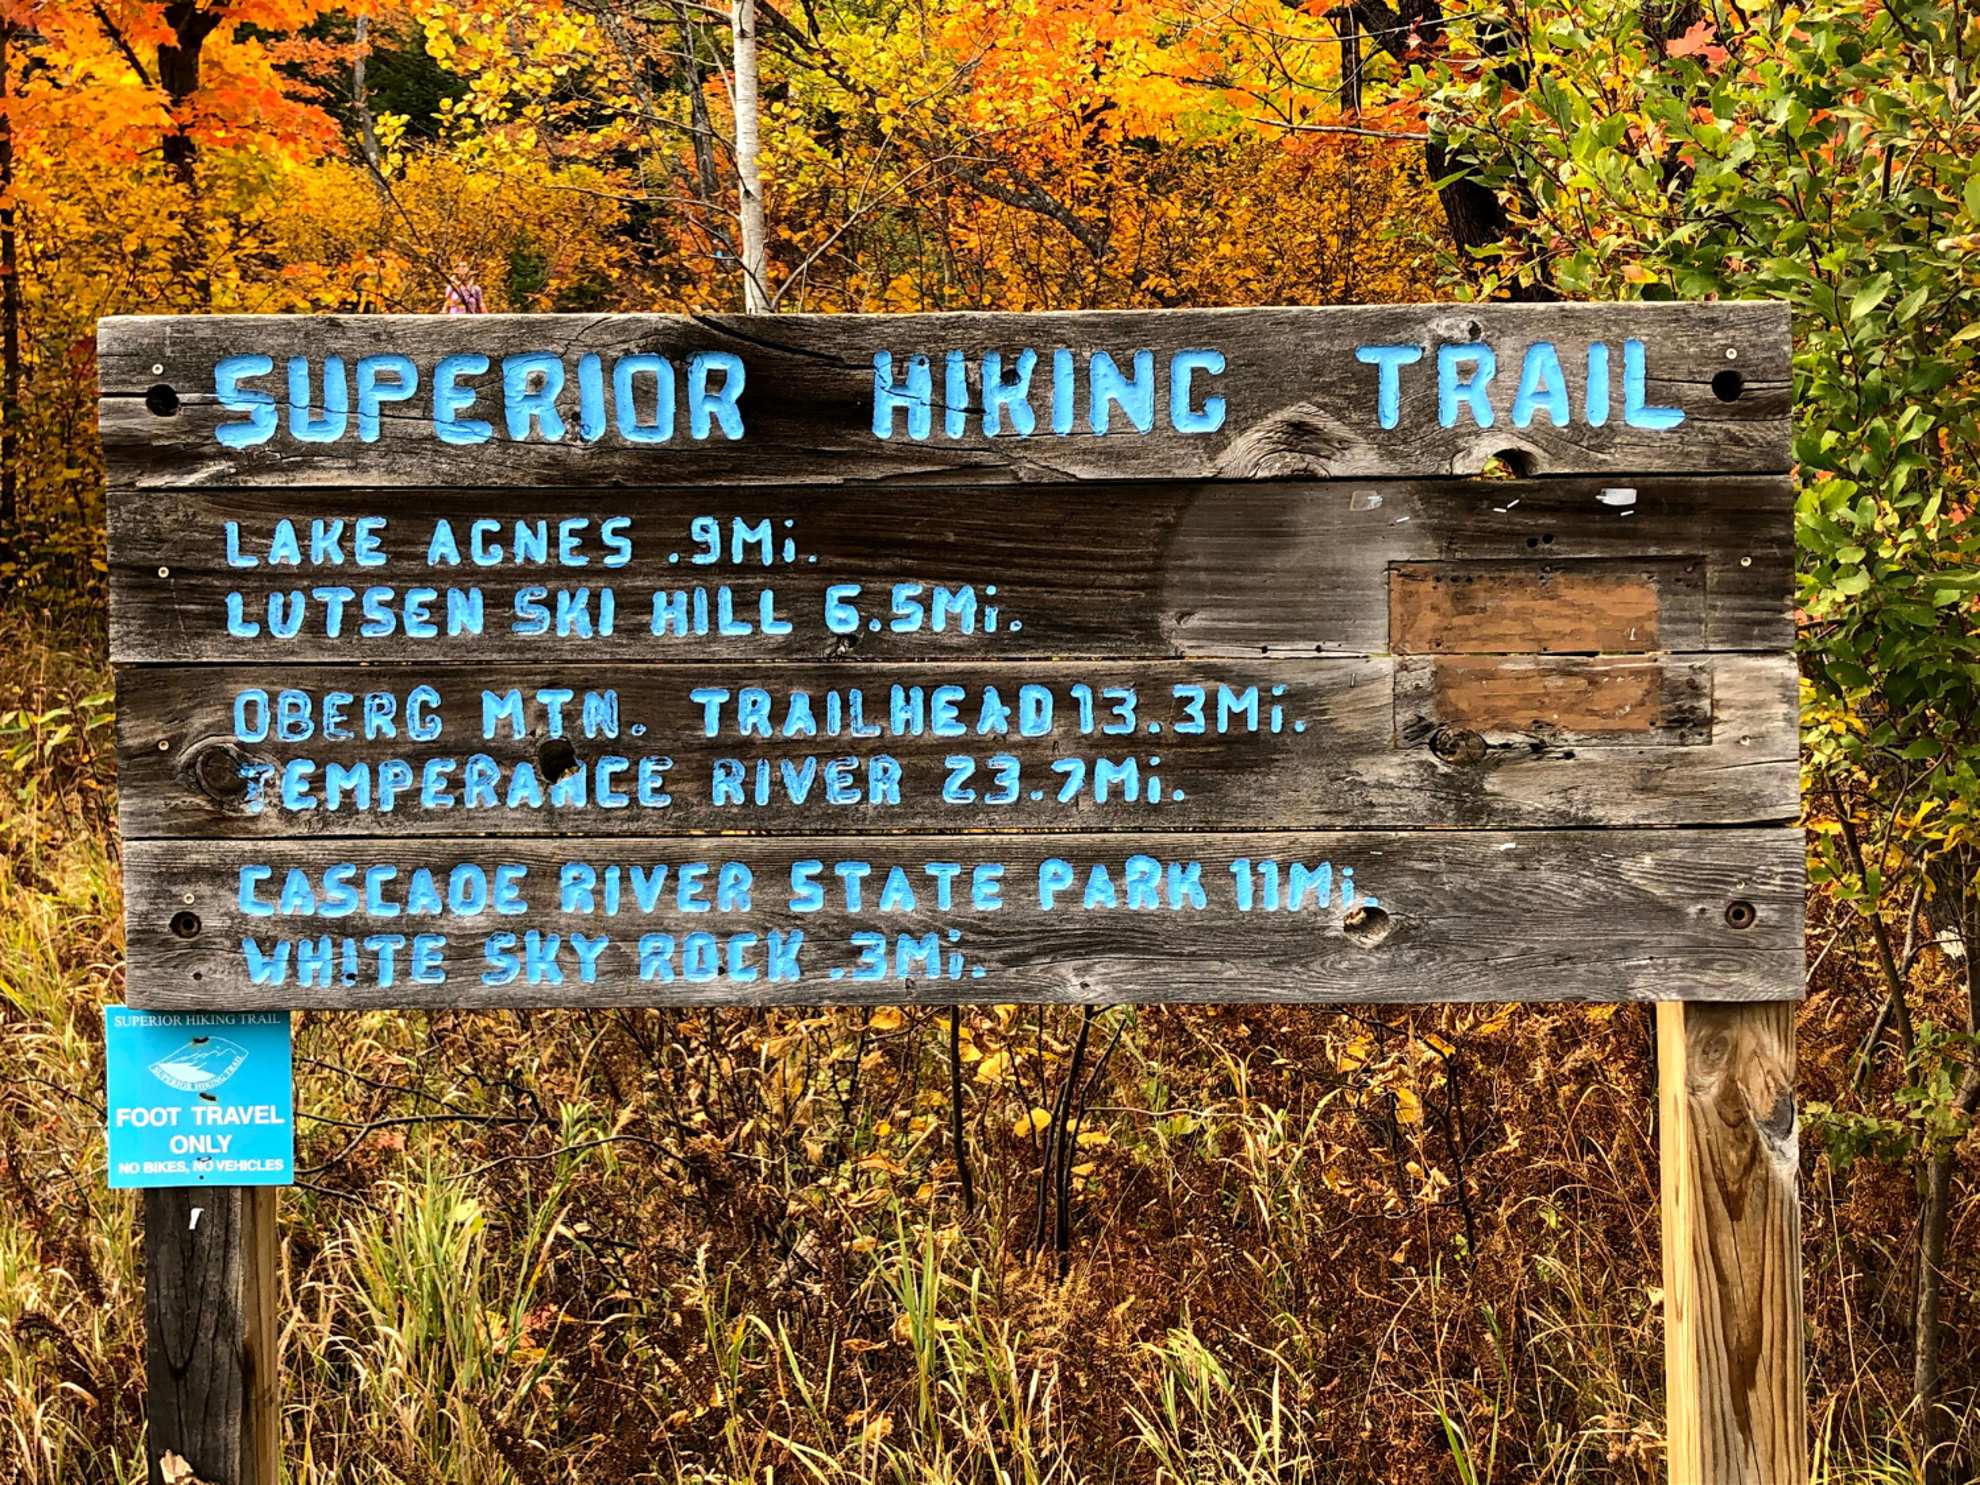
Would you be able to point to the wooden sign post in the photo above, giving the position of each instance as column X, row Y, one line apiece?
column 1306, row 655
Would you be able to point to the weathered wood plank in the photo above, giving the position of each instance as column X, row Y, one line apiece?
column 667, row 750
column 1106, row 570
column 213, row 1383
column 1300, row 394
column 1729, row 1133
column 1456, row 916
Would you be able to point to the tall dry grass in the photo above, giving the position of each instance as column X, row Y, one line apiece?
column 1302, row 1247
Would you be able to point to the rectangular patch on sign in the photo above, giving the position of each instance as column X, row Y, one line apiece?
column 1556, row 699
column 1595, row 606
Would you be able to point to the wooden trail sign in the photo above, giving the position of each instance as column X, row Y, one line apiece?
column 1327, row 655
column 1088, row 657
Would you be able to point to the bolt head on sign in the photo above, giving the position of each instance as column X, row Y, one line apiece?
column 199, row 1097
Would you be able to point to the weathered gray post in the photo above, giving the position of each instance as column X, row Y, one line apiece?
column 212, row 1378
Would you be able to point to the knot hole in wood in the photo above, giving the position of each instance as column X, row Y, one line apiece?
column 1367, row 926
column 558, row 757
column 223, row 773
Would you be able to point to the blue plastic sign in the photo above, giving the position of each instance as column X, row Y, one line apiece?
column 199, row 1096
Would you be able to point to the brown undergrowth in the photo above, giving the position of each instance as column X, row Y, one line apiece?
column 1237, row 1244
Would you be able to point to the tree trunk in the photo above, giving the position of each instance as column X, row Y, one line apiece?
column 1347, row 26
column 10, row 299
column 1941, row 1171
column 178, row 75
column 1928, row 1425
column 361, row 106
column 1471, row 208
column 698, row 120
column 749, row 179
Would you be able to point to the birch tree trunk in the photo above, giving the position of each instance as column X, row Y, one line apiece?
column 374, row 159
column 755, row 254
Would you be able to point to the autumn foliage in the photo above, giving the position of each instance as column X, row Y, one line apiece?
column 1226, row 1246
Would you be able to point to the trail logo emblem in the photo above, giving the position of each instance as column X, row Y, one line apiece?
column 201, row 1065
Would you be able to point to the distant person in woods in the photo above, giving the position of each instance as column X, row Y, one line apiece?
column 464, row 295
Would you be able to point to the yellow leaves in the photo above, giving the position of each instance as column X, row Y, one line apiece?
column 872, row 1424
column 391, row 130
column 1925, row 809
column 1390, row 1075
column 993, row 1067
column 887, row 1018
column 1031, row 1123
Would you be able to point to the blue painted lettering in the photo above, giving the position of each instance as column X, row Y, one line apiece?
column 228, row 374
column 1635, row 380
column 1182, row 416
column 1388, row 361
column 450, row 400
column 1542, row 387
column 303, row 424
column 1106, row 385
column 373, row 394
column 530, row 386
column 1473, row 391
column 1013, row 397
column 914, row 396
column 626, row 408
column 721, row 404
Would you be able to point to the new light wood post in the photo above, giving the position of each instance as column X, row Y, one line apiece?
column 213, row 1386
column 1732, row 1244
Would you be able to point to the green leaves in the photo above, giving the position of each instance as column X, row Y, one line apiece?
column 1831, row 158
column 1869, row 297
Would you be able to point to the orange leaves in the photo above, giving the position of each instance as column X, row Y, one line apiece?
column 116, row 79
column 1701, row 41
column 1021, row 153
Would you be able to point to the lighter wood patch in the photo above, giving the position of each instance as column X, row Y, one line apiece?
column 1490, row 694
column 1556, row 608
